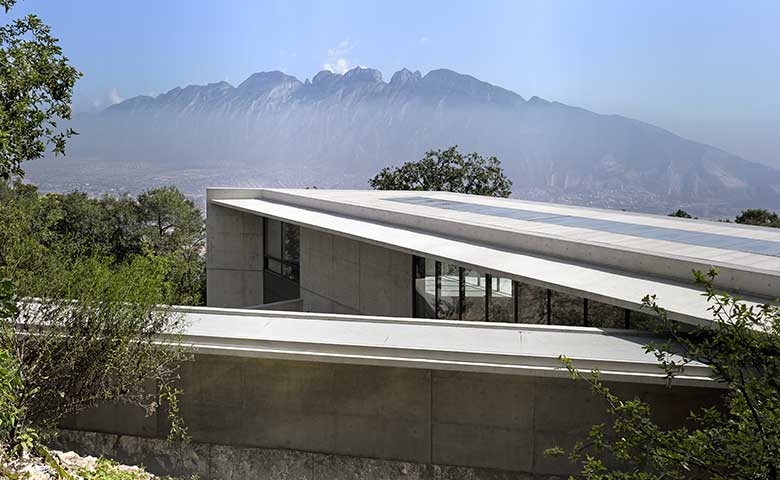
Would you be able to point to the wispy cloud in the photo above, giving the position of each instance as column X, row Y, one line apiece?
column 337, row 61
column 113, row 96
column 424, row 40
column 106, row 99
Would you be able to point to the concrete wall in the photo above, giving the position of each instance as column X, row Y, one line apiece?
column 340, row 275
column 432, row 417
column 234, row 258
column 225, row 462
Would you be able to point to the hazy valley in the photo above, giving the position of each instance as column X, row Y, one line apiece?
column 339, row 130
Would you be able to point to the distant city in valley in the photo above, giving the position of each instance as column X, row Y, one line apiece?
column 336, row 131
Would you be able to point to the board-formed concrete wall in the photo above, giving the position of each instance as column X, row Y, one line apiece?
column 234, row 258
column 478, row 420
column 338, row 275
column 341, row 275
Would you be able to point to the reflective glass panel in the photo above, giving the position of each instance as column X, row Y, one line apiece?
column 602, row 315
column 273, row 238
column 291, row 240
column 273, row 265
column 424, row 288
column 502, row 305
column 474, row 296
column 566, row 309
column 449, row 292
column 531, row 304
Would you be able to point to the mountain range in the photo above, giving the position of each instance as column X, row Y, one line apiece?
column 338, row 130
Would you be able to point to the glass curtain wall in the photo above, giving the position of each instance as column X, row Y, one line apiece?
column 532, row 305
column 474, row 289
column 448, row 305
column 566, row 309
column 501, row 300
column 281, row 261
column 448, row 291
column 424, row 288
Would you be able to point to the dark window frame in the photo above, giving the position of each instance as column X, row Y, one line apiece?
column 516, row 286
column 295, row 267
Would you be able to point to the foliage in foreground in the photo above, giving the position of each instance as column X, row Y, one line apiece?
column 35, row 92
column 447, row 170
column 91, row 338
column 81, row 323
column 741, row 440
column 110, row 470
column 160, row 223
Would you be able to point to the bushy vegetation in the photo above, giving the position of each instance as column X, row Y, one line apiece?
column 109, row 470
column 751, row 216
column 758, row 216
column 739, row 439
column 447, row 170
column 680, row 213
column 161, row 224
column 83, row 281
column 90, row 281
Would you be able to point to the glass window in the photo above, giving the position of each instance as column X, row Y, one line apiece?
column 531, row 304
column 501, row 306
column 277, row 288
column 424, row 288
column 273, row 238
column 290, row 271
column 566, row 309
column 448, row 306
column 282, row 261
column 273, row 265
column 644, row 320
column 602, row 315
column 291, row 243
column 474, row 295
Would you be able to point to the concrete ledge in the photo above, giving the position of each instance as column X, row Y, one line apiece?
column 515, row 349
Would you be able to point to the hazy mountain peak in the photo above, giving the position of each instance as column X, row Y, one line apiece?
column 266, row 80
column 465, row 85
column 405, row 76
column 323, row 76
column 363, row 74
column 224, row 84
column 537, row 101
column 341, row 129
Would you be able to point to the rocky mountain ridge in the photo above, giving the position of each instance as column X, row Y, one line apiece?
column 338, row 130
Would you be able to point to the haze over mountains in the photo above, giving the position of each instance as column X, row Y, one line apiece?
column 339, row 130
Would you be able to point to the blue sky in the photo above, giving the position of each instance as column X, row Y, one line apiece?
column 707, row 70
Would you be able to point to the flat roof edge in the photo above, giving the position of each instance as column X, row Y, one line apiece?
column 275, row 335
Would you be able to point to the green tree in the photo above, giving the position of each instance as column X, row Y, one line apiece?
column 447, row 170
column 92, row 335
column 170, row 221
column 680, row 213
column 36, row 86
column 739, row 439
column 758, row 216
column 174, row 228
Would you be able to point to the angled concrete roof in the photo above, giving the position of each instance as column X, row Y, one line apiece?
column 431, row 344
column 748, row 256
column 602, row 266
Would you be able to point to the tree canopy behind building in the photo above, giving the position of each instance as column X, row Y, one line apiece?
column 447, row 170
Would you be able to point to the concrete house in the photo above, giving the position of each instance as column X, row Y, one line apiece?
column 424, row 329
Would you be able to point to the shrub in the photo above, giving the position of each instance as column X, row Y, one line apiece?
column 91, row 337
column 739, row 440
